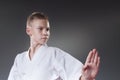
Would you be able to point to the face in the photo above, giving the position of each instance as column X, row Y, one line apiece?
column 39, row 31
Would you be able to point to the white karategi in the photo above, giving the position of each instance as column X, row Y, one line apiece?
column 48, row 63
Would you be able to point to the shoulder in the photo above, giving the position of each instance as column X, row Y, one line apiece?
column 20, row 56
column 56, row 51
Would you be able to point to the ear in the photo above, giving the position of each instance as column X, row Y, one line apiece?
column 28, row 30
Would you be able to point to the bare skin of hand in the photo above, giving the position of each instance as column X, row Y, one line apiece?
column 91, row 66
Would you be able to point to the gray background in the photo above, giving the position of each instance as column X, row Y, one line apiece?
column 76, row 27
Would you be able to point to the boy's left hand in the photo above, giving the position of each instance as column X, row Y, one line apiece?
column 91, row 66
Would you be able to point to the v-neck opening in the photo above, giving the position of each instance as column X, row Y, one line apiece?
column 37, row 52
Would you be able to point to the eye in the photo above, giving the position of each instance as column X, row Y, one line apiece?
column 47, row 29
column 40, row 29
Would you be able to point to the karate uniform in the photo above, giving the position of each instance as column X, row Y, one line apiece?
column 48, row 63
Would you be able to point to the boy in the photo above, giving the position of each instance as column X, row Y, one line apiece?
column 41, row 62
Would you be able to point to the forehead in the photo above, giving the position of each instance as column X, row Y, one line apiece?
column 40, row 23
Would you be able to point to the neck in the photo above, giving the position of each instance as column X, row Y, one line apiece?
column 33, row 48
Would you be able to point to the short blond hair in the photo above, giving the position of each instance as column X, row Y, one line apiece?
column 35, row 15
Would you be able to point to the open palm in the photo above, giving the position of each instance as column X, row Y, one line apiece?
column 91, row 67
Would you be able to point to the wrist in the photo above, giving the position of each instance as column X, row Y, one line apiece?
column 84, row 78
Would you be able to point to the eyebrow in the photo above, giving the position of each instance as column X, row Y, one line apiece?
column 42, row 27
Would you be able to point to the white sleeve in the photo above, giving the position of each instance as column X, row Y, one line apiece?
column 72, row 66
column 14, row 71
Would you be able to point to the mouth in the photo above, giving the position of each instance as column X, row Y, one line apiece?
column 44, row 38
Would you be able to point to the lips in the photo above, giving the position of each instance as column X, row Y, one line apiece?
column 44, row 38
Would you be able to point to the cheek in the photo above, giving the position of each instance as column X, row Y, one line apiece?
column 37, row 35
column 49, row 33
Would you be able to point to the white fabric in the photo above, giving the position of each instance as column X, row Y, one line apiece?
column 48, row 63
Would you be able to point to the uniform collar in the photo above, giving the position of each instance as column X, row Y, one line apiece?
column 38, row 52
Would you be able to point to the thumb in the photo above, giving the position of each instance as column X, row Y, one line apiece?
column 84, row 67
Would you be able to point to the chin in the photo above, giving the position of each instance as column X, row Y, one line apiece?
column 43, row 43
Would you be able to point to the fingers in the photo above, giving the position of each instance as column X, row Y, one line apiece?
column 93, row 57
column 96, row 58
column 89, row 57
column 98, row 62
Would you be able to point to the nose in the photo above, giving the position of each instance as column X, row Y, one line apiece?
column 45, row 32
